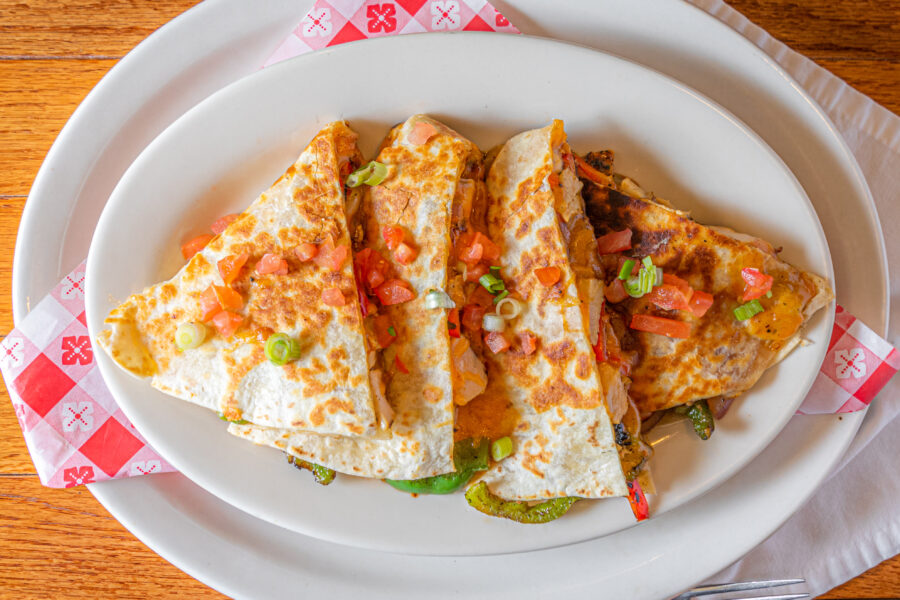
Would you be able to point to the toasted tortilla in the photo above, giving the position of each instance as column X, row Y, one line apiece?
column 418, row 195
column 723, row 356
column 563, row 438
column 327, row 389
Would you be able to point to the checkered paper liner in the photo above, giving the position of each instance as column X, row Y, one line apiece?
column 77, row 434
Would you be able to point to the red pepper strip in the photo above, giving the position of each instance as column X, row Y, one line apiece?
column 638, row 501
column 661, row 326
column 590, row 172
column 399, row 364
column 453, row 323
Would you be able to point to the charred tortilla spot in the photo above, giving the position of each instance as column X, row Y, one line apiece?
column 332, row 406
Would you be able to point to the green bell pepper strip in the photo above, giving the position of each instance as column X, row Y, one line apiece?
column 701, row 418
column 481, row 499
column 468, row 457
column 323, row 475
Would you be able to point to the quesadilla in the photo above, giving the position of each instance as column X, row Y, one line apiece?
column 546, row 391
column 410, row 285
column 725, row 308
column 264, row 323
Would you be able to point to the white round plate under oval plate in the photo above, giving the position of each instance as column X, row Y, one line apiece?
column 221, row 154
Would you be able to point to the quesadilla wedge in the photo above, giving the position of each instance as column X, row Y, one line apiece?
column 410, row 287
column 725, row 309
column 546, row 391
column 275, row 286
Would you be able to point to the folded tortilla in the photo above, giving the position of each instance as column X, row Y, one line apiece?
column 553, row 399
column 723, row 356
column 327, row 389
column 419, row 193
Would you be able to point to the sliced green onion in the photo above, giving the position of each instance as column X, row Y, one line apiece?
column 515, row 308
column 438, row 299
column 659, row 277
column 745, row 311
column 627, row 267
column 491, row 283
column 189, row 335
column 392, row 331
column 495, row 269
column 647, row 278
column 501, row 448
column 282, row 349
column 647, row 262
column 493, row 323
column 501, row 296
column 769, row 294
column 633, row 287
column 370, row 174
column 238, row 422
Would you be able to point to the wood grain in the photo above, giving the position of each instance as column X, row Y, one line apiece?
column 62, row 543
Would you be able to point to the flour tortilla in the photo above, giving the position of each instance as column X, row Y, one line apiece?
column 327, row 390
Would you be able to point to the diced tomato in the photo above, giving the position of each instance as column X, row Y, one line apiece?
column 453, row 322
column 392, row 235
column 615, row 292
column 491, row 250
column 589, row 172
column 405, row 254
column 496, row 342
column 272, row 264
column 209, row 305
column 680, row 283
column 481, row 297
column 472, row 317
column 475, row 273
column 421, row 133
column 228, row 298
column 661, row 326
column 547, row 275
column 757, row 283
column 226, row 323
column 333, row 297
column 528, row 342
column 221, row 223
column 669, row 297
column 474, row 247
column 371, row 268
column 195, row 245
column 230, row 266
column 394, row 291
column 306, row 251
column 383, row 327
column 700, row 303
column 638, row 501
column 399, row 364
column 330, row 256
column 615, row 241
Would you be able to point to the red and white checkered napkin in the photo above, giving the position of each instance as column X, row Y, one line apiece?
column 74, row 430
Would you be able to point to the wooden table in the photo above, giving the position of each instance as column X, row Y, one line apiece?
column 62, row 543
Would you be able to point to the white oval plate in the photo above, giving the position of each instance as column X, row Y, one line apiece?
column 216, row 159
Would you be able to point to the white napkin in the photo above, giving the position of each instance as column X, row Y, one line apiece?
column 852, row 522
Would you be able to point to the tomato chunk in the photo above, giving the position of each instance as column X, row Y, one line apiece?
column 371, row 268
column 474, row 247
column 547, row 275
column 453, row 322
column 700, row 303
column 757, row 283
column 669, row 297
column 195, row 245
column 330, row 256
column 394, row 291
column 528, row 342
column 496, row 342
column 680, row 283
column 226, row 323
column 228, row 298
column 405, row 254
column 491, row 250
column 383, row 328
column 392, row 235
column 421, row 133
column 230, row 266
column 399, row 364
column 472, row 317
column 209, row 305
column 475, row 273
column 615, row 292
column 481, row 297
column 661, row 326
column 333, row 297
column 220, row 224
column 306, row 251
column 272, row 264
column 615, row 241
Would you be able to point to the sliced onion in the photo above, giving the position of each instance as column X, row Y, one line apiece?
column 189, row 335
column 493, row 323
column 438, row 299
column 516, row 308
